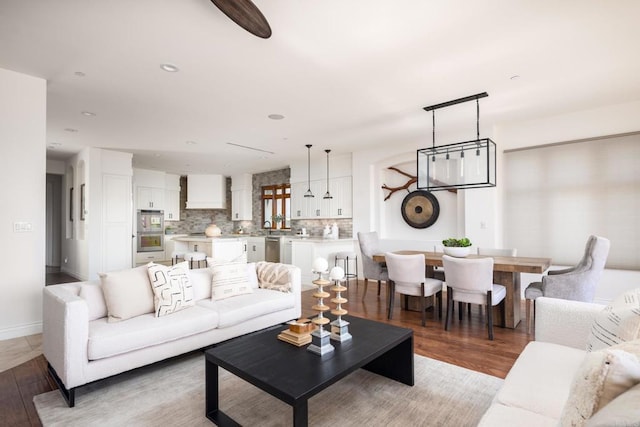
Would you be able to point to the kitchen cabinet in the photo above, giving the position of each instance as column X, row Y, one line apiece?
column 221, row 249
column 206, row 192
column 149, row 189
column 255, row 249
column 172, row 198
column 339, row 206
column 241, row 197
column 305, row 251
column 150, row 198
column 146, row 257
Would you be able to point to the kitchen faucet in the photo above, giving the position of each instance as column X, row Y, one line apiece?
column 265, row 226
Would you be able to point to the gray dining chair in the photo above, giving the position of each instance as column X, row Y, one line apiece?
column 369, row 245
column 470, row 280
column 576, row 283
column 407, row 277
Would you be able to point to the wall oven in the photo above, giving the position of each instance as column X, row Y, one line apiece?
column 150, row 231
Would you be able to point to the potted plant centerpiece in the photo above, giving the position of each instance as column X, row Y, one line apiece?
column 457, row 247
column 278, row 219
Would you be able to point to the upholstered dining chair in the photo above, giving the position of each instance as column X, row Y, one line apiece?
column 470, row 280
column 369, row 245
column 576, row 283
column 407, row 277
column 497, row 252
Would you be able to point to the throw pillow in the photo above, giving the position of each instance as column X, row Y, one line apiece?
column 229, row 280
column 127, row 293
column 618, row 322
column 623, row 411
column 273, row 276
column 171, row 286
column 603, row 376
column 92, row 294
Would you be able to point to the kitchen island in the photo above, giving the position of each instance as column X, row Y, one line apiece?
column 305, row 250
column 223, row 248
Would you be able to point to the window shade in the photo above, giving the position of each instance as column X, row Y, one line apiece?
column 558, row 195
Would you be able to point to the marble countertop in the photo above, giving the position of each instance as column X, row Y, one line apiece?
column 204, row 238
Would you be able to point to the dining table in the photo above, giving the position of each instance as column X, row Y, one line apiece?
column 506, row 272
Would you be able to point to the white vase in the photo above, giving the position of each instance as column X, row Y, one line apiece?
column 212, row 231
column 457, row 252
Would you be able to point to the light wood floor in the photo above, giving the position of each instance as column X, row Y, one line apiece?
column 465, row 344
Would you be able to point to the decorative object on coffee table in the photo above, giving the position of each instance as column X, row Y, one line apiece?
column 298, row 333
column 320, row 337
column 339, row 327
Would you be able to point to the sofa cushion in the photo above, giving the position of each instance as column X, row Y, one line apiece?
column 200, row 282
column 171, row 286
column 232, row 311
column 541, row 378
column 273, row 276
column 618, row 322
column 229, row 280
column 110, row 339
column 127, row 293
column 94, row 297
column 501, row 415
column 623, row 411
column 602, row 376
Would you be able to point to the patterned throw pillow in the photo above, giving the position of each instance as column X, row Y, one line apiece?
column 273, row 276
column 229, row 280
column 616, row 323
column 171, row 286
column 602, row 376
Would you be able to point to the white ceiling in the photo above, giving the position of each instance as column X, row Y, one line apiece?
column 347, row 75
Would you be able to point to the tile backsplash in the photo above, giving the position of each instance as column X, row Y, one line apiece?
column 196, row 220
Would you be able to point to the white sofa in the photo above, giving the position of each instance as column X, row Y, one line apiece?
column 82, row 346
column 540, row 382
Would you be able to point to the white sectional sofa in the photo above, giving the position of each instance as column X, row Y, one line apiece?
column 83, row 344
column 547, row 385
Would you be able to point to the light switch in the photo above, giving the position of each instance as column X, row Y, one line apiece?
column 21, row 227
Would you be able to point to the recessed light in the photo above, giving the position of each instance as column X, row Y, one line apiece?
column 71, row 130
column 88, row 113
column 276, row 116
column 169, row 68
column 79, row 74
column 190, row 142
column 514, row 77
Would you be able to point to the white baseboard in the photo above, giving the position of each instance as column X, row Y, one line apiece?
column 20, row 331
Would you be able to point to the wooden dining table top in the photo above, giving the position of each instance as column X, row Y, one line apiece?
column 514, row 264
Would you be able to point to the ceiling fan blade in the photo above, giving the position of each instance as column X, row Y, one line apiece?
column 245, row 14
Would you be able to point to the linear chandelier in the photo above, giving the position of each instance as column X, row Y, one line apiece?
column 468, row 164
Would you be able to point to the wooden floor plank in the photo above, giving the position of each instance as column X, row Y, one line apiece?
column 11, row 405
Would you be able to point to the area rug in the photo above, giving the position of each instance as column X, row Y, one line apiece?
column 171, row 393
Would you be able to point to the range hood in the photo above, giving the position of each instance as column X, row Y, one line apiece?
column 206, row 192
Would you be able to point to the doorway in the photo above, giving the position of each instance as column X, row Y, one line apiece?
column 53, row 222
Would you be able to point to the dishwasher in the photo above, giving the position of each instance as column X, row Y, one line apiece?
column 272, row 248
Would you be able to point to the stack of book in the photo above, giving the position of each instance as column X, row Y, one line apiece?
column 298, row 333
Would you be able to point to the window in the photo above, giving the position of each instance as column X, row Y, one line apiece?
column 276, row 205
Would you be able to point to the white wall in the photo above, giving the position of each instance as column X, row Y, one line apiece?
column 23, row 139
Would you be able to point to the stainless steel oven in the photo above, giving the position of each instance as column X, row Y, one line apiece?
column 150, row 231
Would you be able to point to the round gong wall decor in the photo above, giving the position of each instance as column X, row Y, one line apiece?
column 420, row 209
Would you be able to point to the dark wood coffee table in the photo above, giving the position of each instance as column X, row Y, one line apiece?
column 294, row 375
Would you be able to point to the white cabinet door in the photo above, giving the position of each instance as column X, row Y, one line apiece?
column 317, row 203
column 206, row 192
column 298, row 201
column 172, row 205
column 302, row 256
column 255, row 249
column 342, row 202
column 229, row 250
column 150, row 198
column 241, row 206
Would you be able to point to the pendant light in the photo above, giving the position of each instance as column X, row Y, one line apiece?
column 434, row 163
column 309, row 193
column 327, row 195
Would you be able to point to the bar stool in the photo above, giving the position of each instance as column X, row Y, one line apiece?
column 175, row 256
column 345, row 257
column 195, row 257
